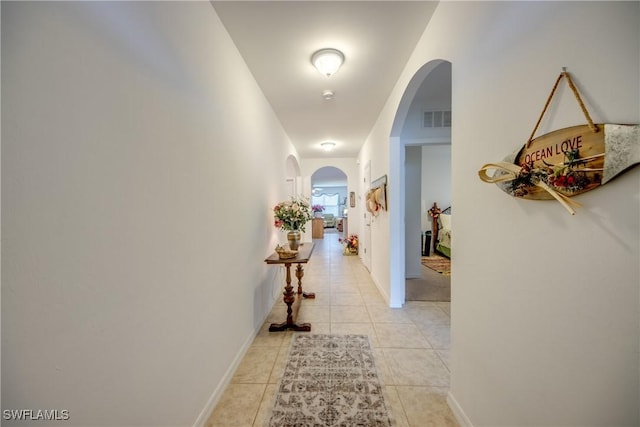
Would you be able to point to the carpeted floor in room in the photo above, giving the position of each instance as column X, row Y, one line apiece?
column 432, row 286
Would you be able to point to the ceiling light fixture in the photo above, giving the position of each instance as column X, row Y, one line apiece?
column 328, row 94
column 328, row 145
column 327, row 61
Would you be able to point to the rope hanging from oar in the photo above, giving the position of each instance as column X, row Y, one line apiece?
column 566, row 162
column 566, row 75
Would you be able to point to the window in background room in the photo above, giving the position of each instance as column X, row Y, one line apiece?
column 330, row 203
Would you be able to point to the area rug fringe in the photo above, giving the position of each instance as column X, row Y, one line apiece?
column 331, row 380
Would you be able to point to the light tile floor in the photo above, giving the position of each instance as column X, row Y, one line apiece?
column 411, row 344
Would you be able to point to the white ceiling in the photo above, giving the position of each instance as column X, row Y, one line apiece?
column 277, row 39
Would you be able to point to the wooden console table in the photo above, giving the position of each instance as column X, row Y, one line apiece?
column 304, row 253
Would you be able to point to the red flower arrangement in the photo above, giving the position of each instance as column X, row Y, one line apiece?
column 350, row 244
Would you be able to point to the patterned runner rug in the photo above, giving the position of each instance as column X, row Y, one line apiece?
column 330, row 380
column 437, row 263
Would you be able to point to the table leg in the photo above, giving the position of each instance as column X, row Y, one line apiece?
column 299, row 275
column 289, row 299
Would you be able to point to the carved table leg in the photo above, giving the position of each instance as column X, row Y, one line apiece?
column 289, row 299
column 299, row 275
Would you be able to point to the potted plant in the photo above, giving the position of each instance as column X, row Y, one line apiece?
column 292, row 216
column 350, row 245
column 317, row 210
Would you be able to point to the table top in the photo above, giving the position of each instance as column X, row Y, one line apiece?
column 304, row 253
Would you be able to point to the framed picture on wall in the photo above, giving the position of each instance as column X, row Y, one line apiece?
column 352, row 199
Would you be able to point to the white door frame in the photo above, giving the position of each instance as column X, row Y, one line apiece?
column 366, row 218
column 396, row 198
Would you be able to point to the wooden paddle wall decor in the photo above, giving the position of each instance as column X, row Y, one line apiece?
column 568, row 161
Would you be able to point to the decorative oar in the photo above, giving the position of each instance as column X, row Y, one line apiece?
column 568, row 161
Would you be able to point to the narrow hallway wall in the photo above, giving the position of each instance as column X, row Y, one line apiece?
column 136, row 209
column 545, row 307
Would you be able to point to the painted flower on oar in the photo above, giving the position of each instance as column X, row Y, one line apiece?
column 567, row 162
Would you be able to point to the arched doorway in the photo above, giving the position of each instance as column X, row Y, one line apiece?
column 329, row 190
column 428, row 91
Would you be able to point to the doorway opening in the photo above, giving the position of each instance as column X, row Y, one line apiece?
column 329, row 196
column 420, row 161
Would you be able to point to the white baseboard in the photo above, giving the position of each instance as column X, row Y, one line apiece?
column 461, row 417
column 222, row 385
column 226, row 379
column 384, row 295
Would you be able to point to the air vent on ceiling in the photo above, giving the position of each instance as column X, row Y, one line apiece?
column 436, row 119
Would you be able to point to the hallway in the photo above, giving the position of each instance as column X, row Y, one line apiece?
column 412, row 344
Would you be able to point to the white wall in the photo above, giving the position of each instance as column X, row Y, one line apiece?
column 545, row 325
column 140, row 162
column 378, row 157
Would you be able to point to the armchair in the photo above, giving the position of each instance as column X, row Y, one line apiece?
column 329, row 220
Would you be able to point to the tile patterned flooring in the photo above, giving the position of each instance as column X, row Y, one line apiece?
column 411, row 344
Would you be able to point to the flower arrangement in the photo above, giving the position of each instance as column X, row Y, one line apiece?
column 350, row 244
column 292, row 215
column 317, row 208
column 567, row 178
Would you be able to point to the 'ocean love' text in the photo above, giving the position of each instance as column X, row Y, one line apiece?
column 569, row 144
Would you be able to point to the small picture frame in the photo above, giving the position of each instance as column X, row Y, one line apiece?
column 352, row 199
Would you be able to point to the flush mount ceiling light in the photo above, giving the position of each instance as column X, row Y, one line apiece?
column 328, row 145
column 328, row 94
column 327, row 61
